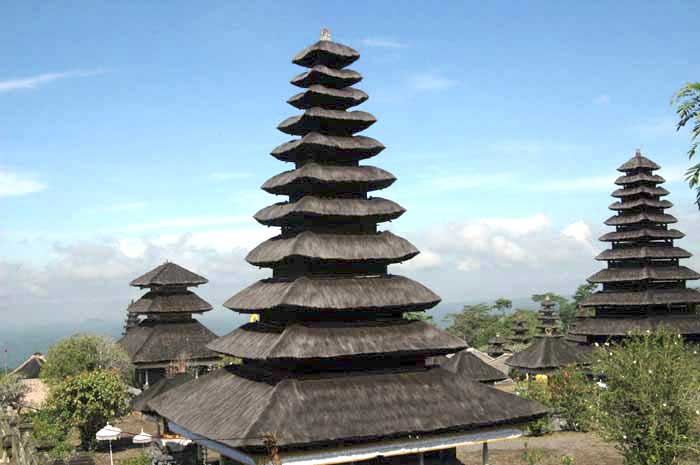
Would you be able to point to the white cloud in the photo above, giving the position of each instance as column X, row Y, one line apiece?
column 602, row 100
column 426, row 259
column 15, row 184
column 32, row 82
column 382, row 43
column 430, row 82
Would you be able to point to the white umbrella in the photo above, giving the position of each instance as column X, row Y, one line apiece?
column 142, row 438
column 109, row 433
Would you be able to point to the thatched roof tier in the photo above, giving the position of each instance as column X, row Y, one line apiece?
column 375, row 209
column 649, row 297
column 547, row 353
column 169, row 274
column 331, row 122
column 324, row 148
column 158, row 302
column 328, row 97
column 639, row 178
column 644, row 273
column 382, row 247
column 386, row 293
column 166, row 341
column 315, row 178
column 643, row 252
column 350, row 406
column 638, row 162
column 643, row 233
column 640, row 203
column 140, row 402
column 636, row 218
column 328, row 77
column 640, row 190
column 687, row 325
column 469, row 364
column 332, row 339
column 327, row 53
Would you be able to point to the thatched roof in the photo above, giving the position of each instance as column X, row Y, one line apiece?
column 646, row 297
column 637, row 162
column 382, row 247
column 643, row 202
column 140, row 402
column 327, row 53
column 178, row 302
column 166, row 341
column 316, row 178
column 547, row 353
column 644, row 273
column 242, row 403
column 169, row 274
column 375, row 293
column 322, row 147
column 639, row 178
column 637, row 218
column 642, row 233
column 688, row 324
column 642, row 252
column 637, row 190
column 326, row 97
column 331, row 339
column 375, row 209
column 467, row 363
column 331, row 122
column 328, row 77
column 30, row 368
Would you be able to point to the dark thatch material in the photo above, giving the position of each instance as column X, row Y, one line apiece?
column 375, row 209
column 325, row 97
column 637, row 190
column 140, row 402
column 156, row 341
column 169, row 274
column 643, row 252
column 469, row 364
column 641, row 177
column 331, row 122
column 643, row 273
column 382, row 247
column 318, row 339
column 180, row 302
column 351, row 406
column 639, row 218
column 320, row 147
column 637, row 162
column 327, row 53
column 644, row 202
column 314, row 177
column 327, row 77
column 643, row 233
column 647, row 297
column 386, row 293
column 30, row 368
column 687, row 325
column 547, row 353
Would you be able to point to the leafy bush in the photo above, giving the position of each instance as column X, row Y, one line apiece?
column 651, row 406
column 572, row 397
column 140, row 459
column 12, row 393
column 50, row 433
column 87, row 402
column 539, row 392
column 82, row 353
column 532, row 456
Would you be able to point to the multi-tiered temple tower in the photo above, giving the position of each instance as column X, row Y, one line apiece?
column 332, row 372
column 644, row 285
column 520, row 331
column 168, row 334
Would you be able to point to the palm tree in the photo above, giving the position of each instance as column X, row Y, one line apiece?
column 687, row 102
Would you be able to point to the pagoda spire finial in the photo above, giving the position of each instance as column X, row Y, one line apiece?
column 326, row 34
column 638, row 153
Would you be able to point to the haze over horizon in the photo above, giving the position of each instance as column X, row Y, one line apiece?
column 137, row 135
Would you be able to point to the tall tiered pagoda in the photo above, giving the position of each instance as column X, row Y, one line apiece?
column 168, row 334
column 550, row 351
column 644, row 285
column 332, row 373
column 520, row 331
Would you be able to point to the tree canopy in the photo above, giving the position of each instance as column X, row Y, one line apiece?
column 687, row 102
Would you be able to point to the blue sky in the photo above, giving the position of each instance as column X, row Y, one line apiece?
column 134, row 130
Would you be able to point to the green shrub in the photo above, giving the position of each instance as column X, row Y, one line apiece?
column 532, row 456
column 140, row 459
column 49, row 433
column 572, row 396
column 536, row 391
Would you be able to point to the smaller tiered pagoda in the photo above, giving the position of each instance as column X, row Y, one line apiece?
column 550, row 351
column 496, row 346
column 471, row 365
column 168, row 334
column 132, row 321
column 520, row 331
column 644, row 284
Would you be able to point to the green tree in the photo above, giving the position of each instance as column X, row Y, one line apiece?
column 503, row 305
column 83, row 353
column 422, row 316
column 650, row 408
column 12, row 392
column 87, row 402
column 469, row 323
column 687, row 102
